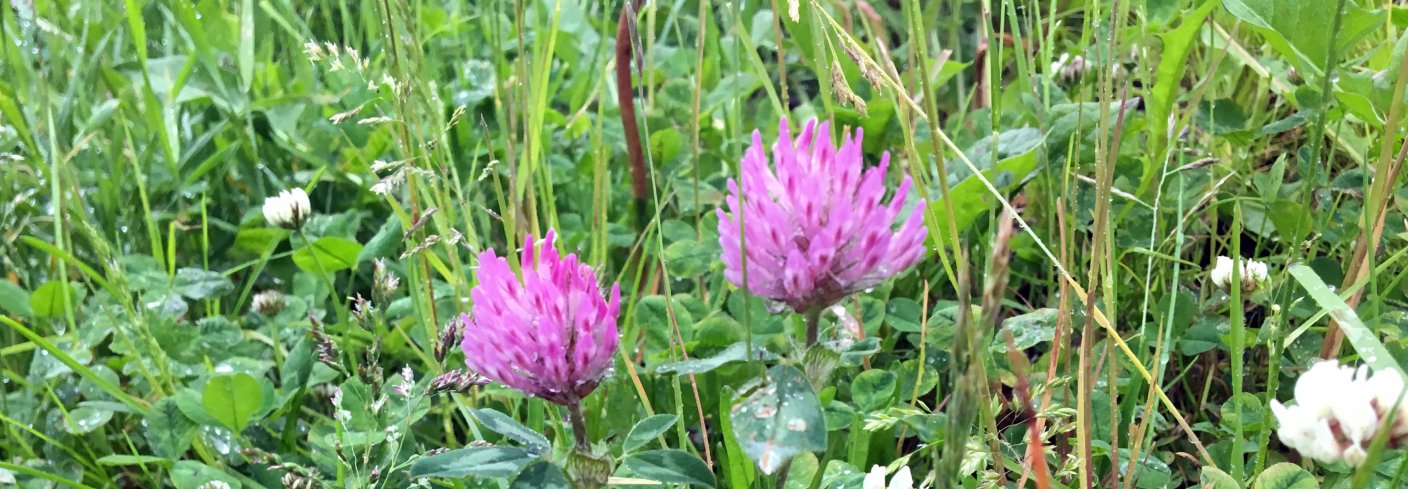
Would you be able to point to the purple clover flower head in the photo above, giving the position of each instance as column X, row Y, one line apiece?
column 814, row 227
column 550, row 333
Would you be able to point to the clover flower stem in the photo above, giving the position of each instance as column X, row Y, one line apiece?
column 579, row 426
column 813, row 322
column 326, row 277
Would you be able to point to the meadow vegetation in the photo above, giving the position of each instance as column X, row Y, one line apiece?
column 703, row 243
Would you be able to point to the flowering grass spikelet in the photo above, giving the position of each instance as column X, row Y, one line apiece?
column 550, row 333
column 289, row 209
column 1339, row 410
column 813, row 223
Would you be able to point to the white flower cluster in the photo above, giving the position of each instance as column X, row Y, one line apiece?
column 289, row 209
column 1338, row 411
column 1070, row 67
column 268, row 303
column 875, row 479
column 1253, row 273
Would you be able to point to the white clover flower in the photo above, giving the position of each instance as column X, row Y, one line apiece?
column 214, row 485
column 1339, row 410
column 268, row 303
column 289, row 209
column 1254, row 273
column 1069, row 67
column 875, row 479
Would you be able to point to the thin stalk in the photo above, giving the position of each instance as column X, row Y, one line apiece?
column 579, row 426
column 813, row 317
column 1238, row 340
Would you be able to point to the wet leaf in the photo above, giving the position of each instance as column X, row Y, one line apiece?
column 647, row 429
column 502, row 424
column 1285, row 475
column 474, row 461
column 328, row 254
column 779, row 420
column 232, row 399
column 734, row 353
column 671, row 466
column 195, row 283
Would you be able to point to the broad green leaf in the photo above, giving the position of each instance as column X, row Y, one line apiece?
column 690, row 258
column 255, row 241
column 1173, row 62
column 232, row 399
column 1300, row 29
column 874, row 389
column 188, row 474
column 1365, row 341
column 647, row 429
column 717, row 330
column 1017, row 158
column 331, row 252
column 195, row 283
column 169, row 433
column 86, row 419
column 14, row 299
column 856, row 352
column 298, row 365
column 486, row 462
column 68, row 361
column 1200, row 337
column 1285, row 475
column 502, row 424
column 904, row 315
column 1245, row 408
column 779, row 419
column 1292, row 222
column 541, row 475
column 734, row 353
column 838, row 415
column 802, row 471
column 912, row 381
column 1214, row 478
column 670, row 466
column 48, row 300
column 1028, row 330
column 384, row 243
column 654, row 315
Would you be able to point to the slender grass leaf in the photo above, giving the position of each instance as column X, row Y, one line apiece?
column 1365, row 341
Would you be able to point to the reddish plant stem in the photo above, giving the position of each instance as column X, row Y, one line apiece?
column 625, row 97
